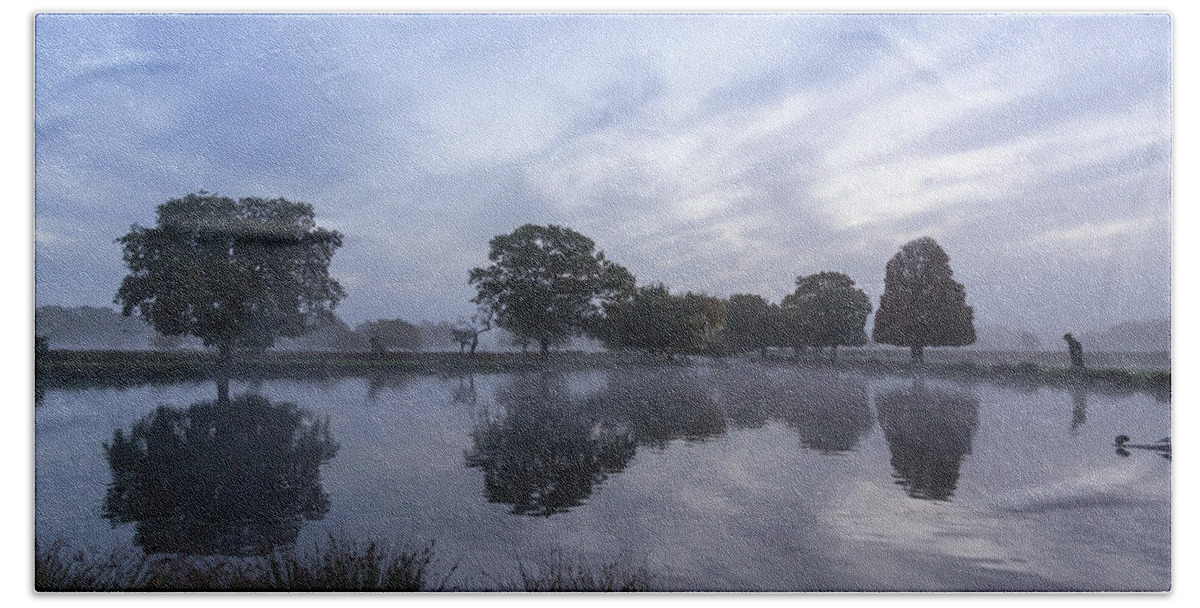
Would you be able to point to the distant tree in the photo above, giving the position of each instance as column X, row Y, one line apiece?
column 921, row 304
column 656, row 321
column 437, row 336
column 237, row 274
column 833, row 312
column 466, row 333
column 388, row 334
column 1028, row 342
column 331, row 335
column 166, row 343
column 751, row 323
column 547, row 283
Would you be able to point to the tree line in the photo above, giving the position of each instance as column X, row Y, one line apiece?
column 548, row 283
column 239, row 274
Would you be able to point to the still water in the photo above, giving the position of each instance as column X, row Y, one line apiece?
column 712, row 477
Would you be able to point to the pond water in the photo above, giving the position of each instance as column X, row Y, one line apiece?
column 712, row 477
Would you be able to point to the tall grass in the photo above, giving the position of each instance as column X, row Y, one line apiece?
column 348, row 566
column 338, row 565
column 335, row 565
column 556, row 573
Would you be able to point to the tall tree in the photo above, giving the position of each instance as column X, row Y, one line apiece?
column 922, row 305
column 548, row 283
column 833, row 311
column 233, row 273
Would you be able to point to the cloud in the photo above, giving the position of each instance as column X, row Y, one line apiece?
column 722, row 153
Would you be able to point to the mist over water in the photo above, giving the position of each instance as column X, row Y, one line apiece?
column 722, row 476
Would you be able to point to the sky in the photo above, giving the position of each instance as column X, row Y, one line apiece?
column 714, row 153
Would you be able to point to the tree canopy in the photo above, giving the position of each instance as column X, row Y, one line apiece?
column 751, row 323
column 233, row 273
column 922, row 305
column 656, row 321
column 548, row 283
column 832, row 311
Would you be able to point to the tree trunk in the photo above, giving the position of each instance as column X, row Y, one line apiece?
column 474, row 343
column 918, row 354
column 224, row 369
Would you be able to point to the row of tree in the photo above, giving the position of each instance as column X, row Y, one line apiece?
column 548, row 283
column 241, row 274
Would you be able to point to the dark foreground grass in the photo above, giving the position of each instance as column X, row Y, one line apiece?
column 336, row 565
column 556, row 573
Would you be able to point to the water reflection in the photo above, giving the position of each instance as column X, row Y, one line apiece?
column 830, row 413
column 550, row 448
column 659, row 408
column 227, row 477
column 1079, row 402
column 928, row 431
column 465, row 392
column 547, row 452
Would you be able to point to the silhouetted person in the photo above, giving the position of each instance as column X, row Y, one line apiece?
column 1075, row 349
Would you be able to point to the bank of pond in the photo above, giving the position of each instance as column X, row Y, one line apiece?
column 1121, row 372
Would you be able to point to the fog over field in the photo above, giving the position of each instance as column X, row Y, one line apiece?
column 716, row 153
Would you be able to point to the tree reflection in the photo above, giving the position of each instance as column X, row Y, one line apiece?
column 659, row 408
column 830, row 413
column 229, row 477
column 749, row 396
column 928, row 432
column 548, row 451
column 465, row 393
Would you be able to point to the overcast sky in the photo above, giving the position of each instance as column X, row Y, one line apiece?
column 715, row 153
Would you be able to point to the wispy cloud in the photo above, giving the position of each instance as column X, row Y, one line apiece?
column 713, row 152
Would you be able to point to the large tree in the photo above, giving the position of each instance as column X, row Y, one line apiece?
column 233, row 273
column 922, row 305
column 548, row 283
column 833, row 311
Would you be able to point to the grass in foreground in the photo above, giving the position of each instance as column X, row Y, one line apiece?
column 556, row 573
column 336, row 565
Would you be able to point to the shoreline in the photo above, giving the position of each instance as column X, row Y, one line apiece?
column 100, row 369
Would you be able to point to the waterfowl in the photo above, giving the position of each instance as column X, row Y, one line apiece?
column 1163, row 445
